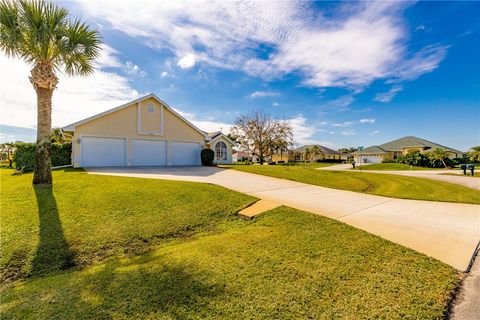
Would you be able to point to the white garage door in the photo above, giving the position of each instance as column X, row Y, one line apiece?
column 372, row 159
column 99, row 152
column 149, row 152
column 185, row 153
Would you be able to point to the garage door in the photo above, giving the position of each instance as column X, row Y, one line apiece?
column 372, row 159
column 99, row 152
column 149, row 152
column 185, row 153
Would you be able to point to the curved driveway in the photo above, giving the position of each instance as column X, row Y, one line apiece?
column 446, row 231
column 451, row 176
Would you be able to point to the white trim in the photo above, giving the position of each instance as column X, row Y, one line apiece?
column 139, row 122
column 225, row 137
column 125, row 146
column 71, row 127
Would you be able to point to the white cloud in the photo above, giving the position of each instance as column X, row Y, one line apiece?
column 108, row 58
column 209, row 125
column 302, row 132
column 350, row 46
column 275, row 104
column 132, row 69
column 388, row 96
column 164, row 74
column 349, row 132
column 74, row 99
column 367, row 120
column 340, row 104
column 261, row 94
column 374, row 132
column 186, row 62
column 343, row 124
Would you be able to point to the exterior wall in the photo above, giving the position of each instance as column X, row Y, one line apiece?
column 229, row 150
column 124, row 123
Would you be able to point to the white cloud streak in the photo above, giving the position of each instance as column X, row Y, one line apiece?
column 367, row 120
column 351, row 47
column 389, row 95
column 262, row 94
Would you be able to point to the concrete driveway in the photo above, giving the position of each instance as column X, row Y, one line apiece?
column 451, row 176
column 446, row 231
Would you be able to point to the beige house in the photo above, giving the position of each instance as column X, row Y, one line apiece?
column 391, row 150
column 143, row 132
column 326, row 153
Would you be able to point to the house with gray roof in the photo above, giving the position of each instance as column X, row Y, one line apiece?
column 393, row 149
column 326, row 153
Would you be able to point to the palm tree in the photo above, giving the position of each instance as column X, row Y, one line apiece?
column 439, row 154
column 57, row 136
column 44, row 36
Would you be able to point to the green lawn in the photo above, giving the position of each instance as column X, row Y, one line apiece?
column 373, row 183
column 117, row 248
column 284, row 264
column 88, row 218
column 391, row 167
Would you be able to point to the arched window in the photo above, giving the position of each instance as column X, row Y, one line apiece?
column 220, row 151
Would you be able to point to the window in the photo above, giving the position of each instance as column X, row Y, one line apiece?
column 150, row 107
column 220, row 151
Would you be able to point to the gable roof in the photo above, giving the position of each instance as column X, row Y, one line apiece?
column 217, row 134
column 325, row 150
column 71, row 127
column 372, row 149
column 405, row 142
column 411, row 141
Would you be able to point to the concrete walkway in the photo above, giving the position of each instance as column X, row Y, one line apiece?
column 446, row 231
column 454, row 176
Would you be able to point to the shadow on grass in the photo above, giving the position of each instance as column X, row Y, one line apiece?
column 144, row 287
column 53, row 252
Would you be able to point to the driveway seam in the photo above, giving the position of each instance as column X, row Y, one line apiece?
column 363, row 209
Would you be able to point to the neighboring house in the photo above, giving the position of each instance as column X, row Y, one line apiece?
column 391, row 150
column 143, row 132
column 241, row 156
column 327, row 153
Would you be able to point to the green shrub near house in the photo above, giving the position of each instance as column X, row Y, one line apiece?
column 24, row 156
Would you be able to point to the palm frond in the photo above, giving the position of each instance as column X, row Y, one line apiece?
column 40, row 31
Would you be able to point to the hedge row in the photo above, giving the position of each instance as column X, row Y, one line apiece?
column 24, row 156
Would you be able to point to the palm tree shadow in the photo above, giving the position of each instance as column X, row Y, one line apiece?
column 53, row 252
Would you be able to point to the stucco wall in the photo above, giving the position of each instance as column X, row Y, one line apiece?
column 124, row 124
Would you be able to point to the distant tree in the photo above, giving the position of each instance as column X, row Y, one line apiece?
column 439, row 154
column 259, row 133
column 307, row 153
column 315, row 154
column 474, row 154
column 348, row 150
column 7, row 150
column 46, row 37
column 57, row 136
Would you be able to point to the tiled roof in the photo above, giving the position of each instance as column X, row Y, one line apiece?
column 372, row 149
column 411, row 141
column 406, row 142
column 325, row 150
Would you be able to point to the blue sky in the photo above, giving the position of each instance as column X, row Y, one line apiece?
column 343, row 73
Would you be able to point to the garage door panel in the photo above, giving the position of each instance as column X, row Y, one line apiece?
column 149, row 152
column 372, row 159
column 185, row 153
column 100, row 152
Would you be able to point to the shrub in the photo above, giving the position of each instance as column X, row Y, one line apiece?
column 207, row 156
column 24, row 156
column 272, row 163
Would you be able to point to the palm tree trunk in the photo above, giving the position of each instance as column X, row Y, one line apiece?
column 43, row 172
